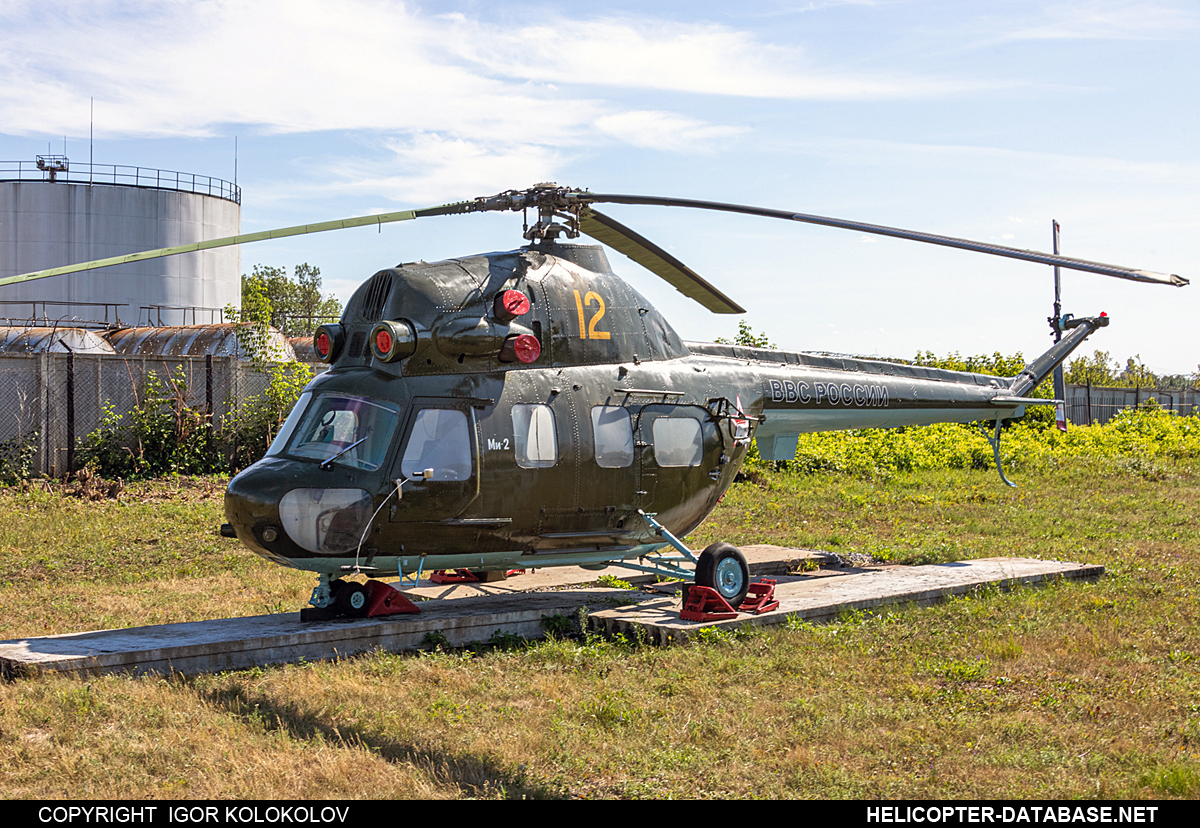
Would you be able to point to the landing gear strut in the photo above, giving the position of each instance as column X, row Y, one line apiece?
column 721, row 567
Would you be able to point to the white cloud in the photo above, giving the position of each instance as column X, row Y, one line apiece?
column 424, row 168
column 647, row 53
column 1107, row 21
column 186, row 69
column 432, row 165
column 947, row 156
column 295, row 67
column 664, row 130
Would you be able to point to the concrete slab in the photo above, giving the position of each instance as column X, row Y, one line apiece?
column 514, row 607
column 240, row 643
column 823, row 597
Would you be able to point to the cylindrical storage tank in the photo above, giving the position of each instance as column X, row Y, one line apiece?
column 16, row 340
column 46, row 224
column 194, row 340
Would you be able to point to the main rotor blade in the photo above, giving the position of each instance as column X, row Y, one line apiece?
column 656, row 260
column 879, row 230
column 228, row 241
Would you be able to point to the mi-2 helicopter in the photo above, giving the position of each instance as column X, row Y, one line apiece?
column 529, row 408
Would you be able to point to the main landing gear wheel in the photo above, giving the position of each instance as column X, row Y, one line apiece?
column 723, row 567
column 350, row 599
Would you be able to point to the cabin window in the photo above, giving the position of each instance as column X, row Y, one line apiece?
column 613, row 435
column 534, row 436
column 677, row 441
column 440, row 440
column 354, row 430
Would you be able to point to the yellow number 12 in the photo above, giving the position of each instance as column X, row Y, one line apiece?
column 590, row 332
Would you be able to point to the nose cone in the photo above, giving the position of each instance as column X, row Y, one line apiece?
column 252, row 507
column 285, row 510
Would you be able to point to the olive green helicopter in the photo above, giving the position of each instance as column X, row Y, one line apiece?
column 529, row 408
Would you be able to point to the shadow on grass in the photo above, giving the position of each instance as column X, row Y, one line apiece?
column 474, row 776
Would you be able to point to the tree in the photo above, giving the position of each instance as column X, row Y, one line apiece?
column 997, row 365
column 746, row 336
column 296, row 304
column 259, row 417
column 1099, row 369
column 1137, row 374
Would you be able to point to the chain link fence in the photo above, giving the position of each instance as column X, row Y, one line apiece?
column 53, row 401
column 1094, row 404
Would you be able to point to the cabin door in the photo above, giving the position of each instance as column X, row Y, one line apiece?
column 439, row 461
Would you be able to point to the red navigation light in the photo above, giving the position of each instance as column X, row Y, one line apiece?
column 323, row 345
column 521, row 348
column 383, row 341
column 509, row 305
column 528, row 348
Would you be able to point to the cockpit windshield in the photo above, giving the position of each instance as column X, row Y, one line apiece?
column 354, row 430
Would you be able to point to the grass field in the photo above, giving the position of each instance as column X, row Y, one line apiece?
column 1076, row 690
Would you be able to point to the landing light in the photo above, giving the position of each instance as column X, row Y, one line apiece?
column 327, row 342
column 383, row 342
column 393, row 340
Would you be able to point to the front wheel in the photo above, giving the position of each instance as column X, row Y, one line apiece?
column 351, row 600
column 723, row 567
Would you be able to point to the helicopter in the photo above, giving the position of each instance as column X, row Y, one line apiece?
column 529, row 408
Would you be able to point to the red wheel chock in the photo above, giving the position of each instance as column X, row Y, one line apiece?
column 760, row 598
column 385, row 599
column 705, row 604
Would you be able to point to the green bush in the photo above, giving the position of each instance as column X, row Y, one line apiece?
column 163, row 435
column 1147, row 432
column 16, row 457
column 250, row 430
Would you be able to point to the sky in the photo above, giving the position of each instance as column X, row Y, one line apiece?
column 985, row 120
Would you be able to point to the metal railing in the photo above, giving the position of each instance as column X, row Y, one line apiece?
column 41, row 313
column 153, row 314
column 62, row 171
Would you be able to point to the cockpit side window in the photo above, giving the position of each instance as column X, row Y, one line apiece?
column 441, row 441
column 289, row 425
